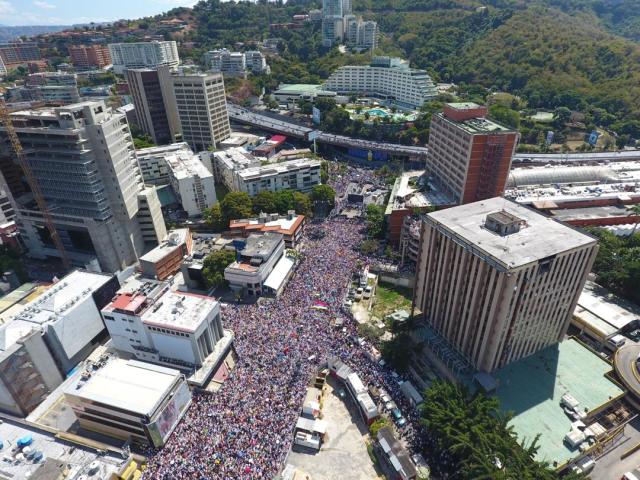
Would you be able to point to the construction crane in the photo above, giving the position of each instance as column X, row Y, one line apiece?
column 5, row 119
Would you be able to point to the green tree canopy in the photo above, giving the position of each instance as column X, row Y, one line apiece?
column 264, row 202
column 236, row 205
column 302, row 204
column 213, row 267
column 324, row 194
column 213, row 216
column 374, row 216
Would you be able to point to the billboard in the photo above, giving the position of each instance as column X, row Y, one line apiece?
column 550, row 136
column 312, row 135
column 316, row 116
column 593, row 138
column 165, row 422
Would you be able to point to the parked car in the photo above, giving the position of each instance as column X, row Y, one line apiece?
column 367, row 292
column 398, row 418
column 390, row 406
column 385, row 398
column 358, row 295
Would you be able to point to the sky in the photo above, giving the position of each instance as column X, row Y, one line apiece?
column 67, row 12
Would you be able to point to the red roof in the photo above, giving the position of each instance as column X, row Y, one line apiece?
column 128, row 302
column 278, row 139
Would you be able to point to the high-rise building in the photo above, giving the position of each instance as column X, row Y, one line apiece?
column 499, row 281
column 19, row 52
column 143, row 55
column 3, row 68
column 202, row 108
column 332, row 22
column 470, row 155
column 359, row 34
column 89, row 57
column 236, row 63
column 386, row 78
column 83, row 159
column 152, row 93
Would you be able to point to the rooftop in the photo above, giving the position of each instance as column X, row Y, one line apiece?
column 236, row 158
column 180, row 311
column 606, row 306
column 174, row 240
column 300, row 88
column 286, row 224
column 539, row 238
column 253, row 173
column 127, row 384
column 421, row 195
column 531, row 388
column 587, row 213
column 261, row 245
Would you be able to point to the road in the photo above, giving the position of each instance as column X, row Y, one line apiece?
column 610, row 466
column 564, row 158
column 625, row 363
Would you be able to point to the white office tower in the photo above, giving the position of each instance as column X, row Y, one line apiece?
column 386, row 78
column 143, row 55
column 202, row 109
column 83, row 159
column 367, row 35
column 178, row 166
column 500, row 281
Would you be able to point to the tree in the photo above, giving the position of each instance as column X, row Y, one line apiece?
column 264, row 201
column 213, row 216
column 374, row 216
column 302, row 204
column 213, row 267
column 284, row 201
column 561, row 116
column 505, row 115
column 236, row 205
column 324, row 194
column 369, row 247
column 634, row 211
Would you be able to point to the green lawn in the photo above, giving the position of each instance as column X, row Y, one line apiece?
column 390, row 298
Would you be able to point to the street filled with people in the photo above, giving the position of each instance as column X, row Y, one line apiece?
column 245, row 430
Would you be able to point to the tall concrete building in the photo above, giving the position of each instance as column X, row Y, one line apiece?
column 58, row 87
column 83, row 159
column 89, row 57
column 332, row 22
column 152, row 93
column 14, row 53
column 143, row 55
column 499, row 281
column 470, row 155
column 202, row 109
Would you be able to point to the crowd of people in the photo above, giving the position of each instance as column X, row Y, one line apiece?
column 245, row 430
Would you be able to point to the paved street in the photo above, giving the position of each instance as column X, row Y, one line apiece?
column 625, row 363
column 610, row 466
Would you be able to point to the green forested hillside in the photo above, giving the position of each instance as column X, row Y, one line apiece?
column 550, row 52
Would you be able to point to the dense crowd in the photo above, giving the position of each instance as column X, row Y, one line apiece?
column 245, row 430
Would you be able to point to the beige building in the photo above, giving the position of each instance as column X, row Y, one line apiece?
column 202, row 109
column 500, row 281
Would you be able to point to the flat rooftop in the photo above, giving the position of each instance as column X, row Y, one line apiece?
column 539, row 238
column 588, row 213
column 253, row 173
column 180, row 311
column 606, row 306
column 63, row 296
column 261, row 245
column 299, row 88
column 284, row 224
column 531, row 389
column 131, row 385
column 174, row 240
column 477, row 125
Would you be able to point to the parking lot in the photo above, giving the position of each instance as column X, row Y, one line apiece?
column 344, row 453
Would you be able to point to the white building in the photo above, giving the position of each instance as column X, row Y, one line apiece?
column 68, row 316
column 3, row 68
column 148, row 320
column 386, row 79
column 150, row 216
column 129, row 400
column 236, row 63
column 262, row 268
column 178, row 166
column 226, row 163
column 302, row 174
column 83, row 159
column 360, row 34
column 143, row 55
column 54, row 87
column 202, row 109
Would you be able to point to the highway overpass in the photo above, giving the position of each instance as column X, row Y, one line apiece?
column 280, row 124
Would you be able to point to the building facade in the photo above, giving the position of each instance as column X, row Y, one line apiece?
column 90, row 57
column 83, row 159
column 15, row 53
column 202, row 109
column 385, row 78
column 58, row 87
column 151, row 90
column 469, row 155
column 166, row 259
column 289, row 226
column 143, row 55
column 301, row 174
column 499, row 281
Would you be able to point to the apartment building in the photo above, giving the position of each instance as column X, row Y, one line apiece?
column 152, row 93
column 470, row 155
column 302, row 174
column 386, row 78
column 256, row 62
column 15, row 53
column 202, row 109
column 83, row 159
column 143, row 55
column 360, row 34
column 499, row 281
column 236, row 63
column 333, row 12
column 178, row 166
column 90, row 57
column 289, row 226
column 3, row 68
column 227, row 163
column 129, row 400
column 166, row 259
column 150, row 216
column 155, row 324
column 58, row 87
